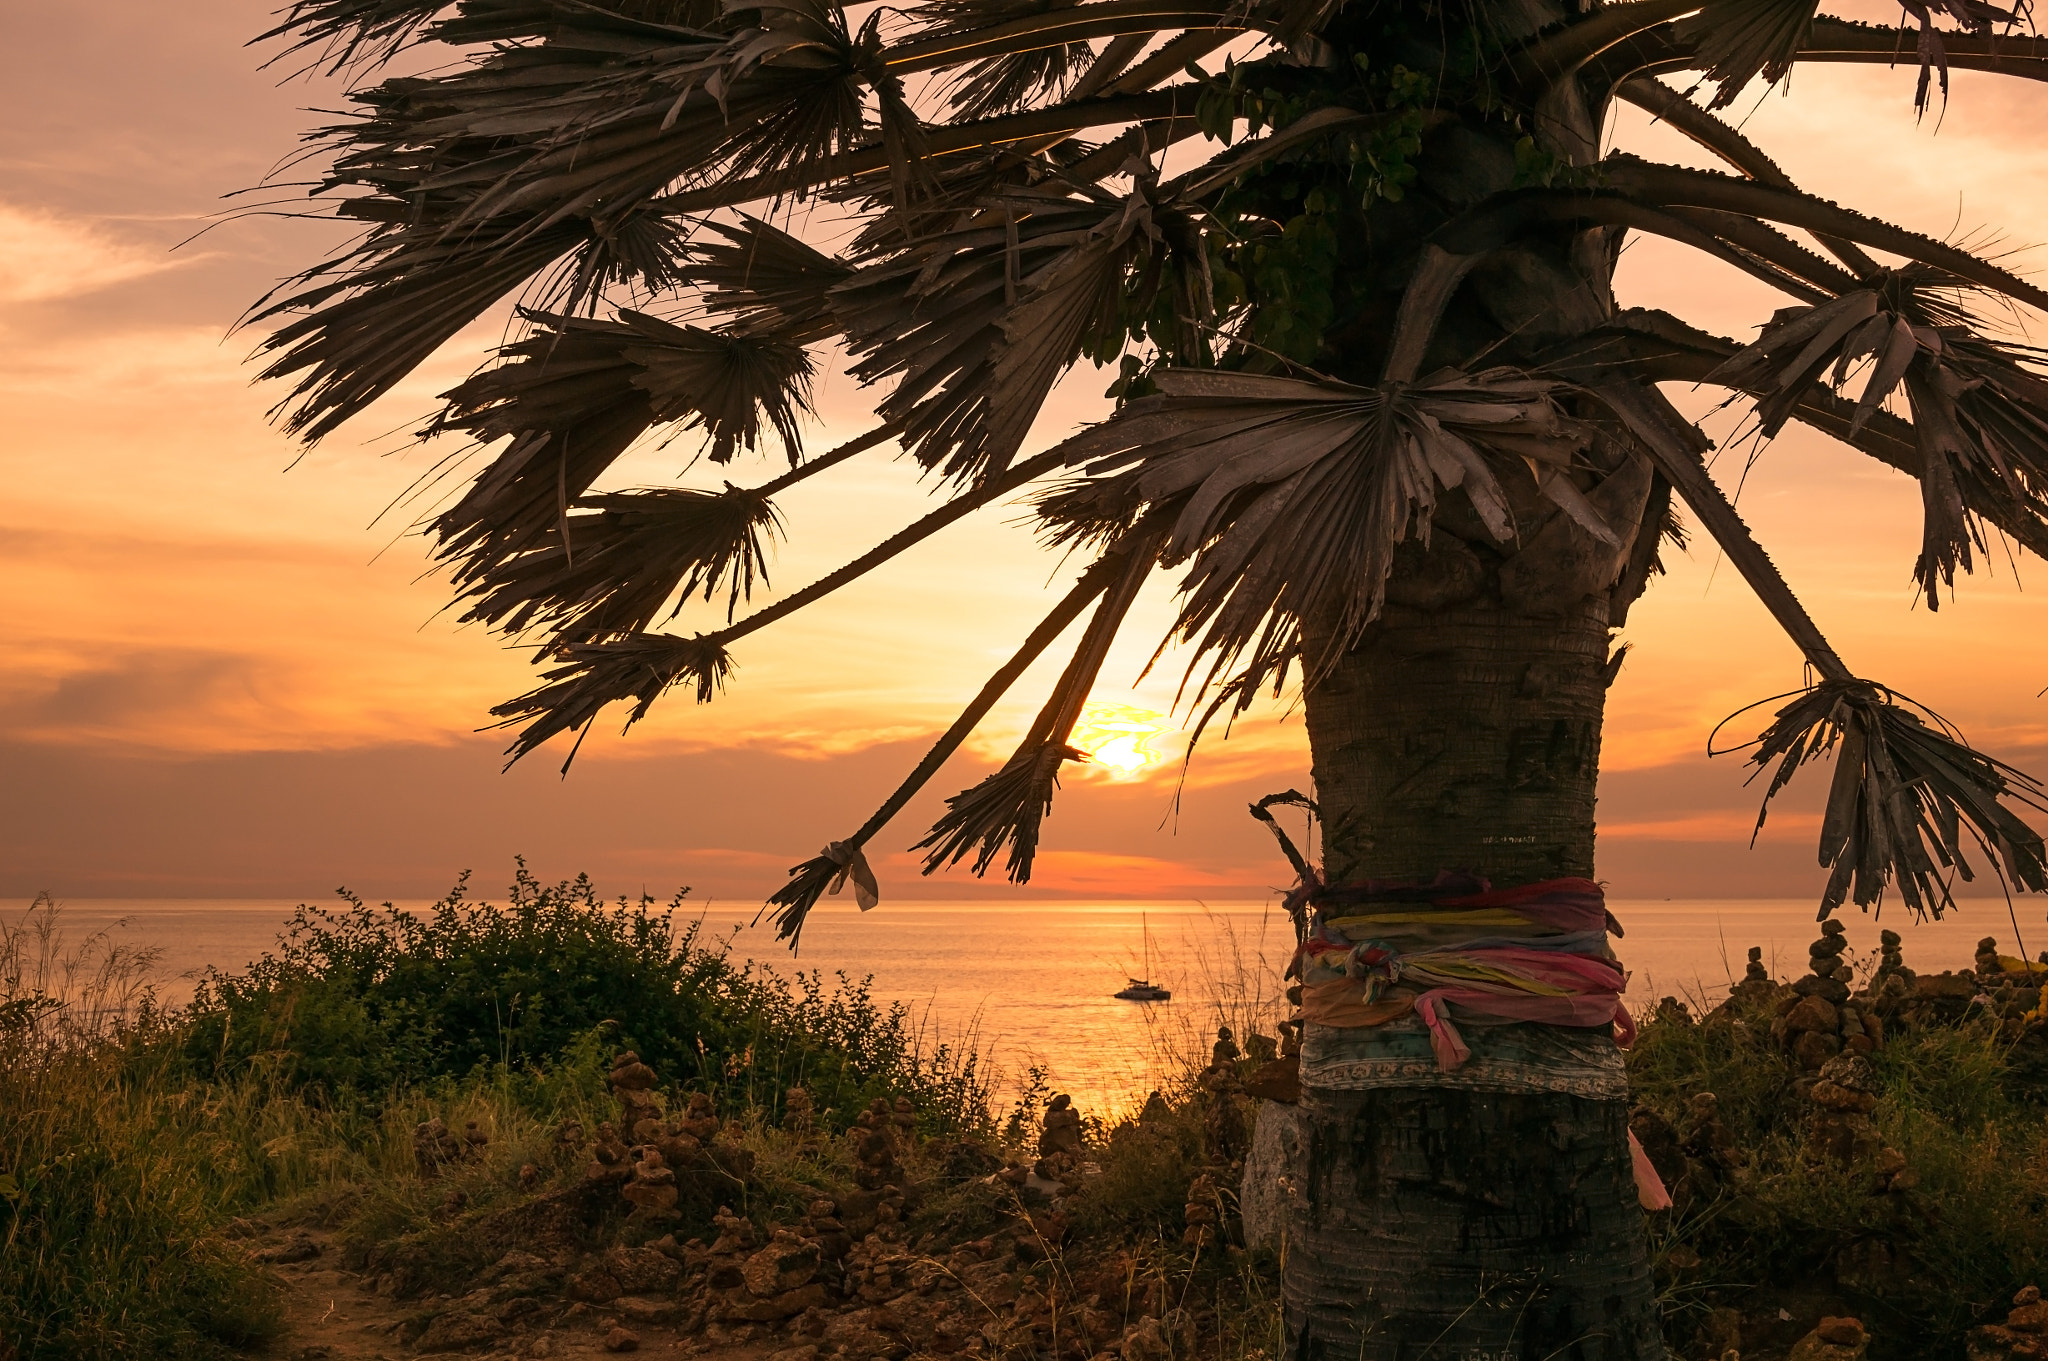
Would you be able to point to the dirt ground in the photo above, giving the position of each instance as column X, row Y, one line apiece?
column 333, row 1314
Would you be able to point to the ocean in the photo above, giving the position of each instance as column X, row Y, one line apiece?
column 1030, row 985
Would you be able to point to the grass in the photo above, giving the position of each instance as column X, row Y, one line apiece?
column 1919, row 1266
column 134, row 1139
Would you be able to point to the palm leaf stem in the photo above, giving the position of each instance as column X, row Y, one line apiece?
column 1675, row 445
column 1063, row 120
column 860, row 444
column 1672, row 186
column 954, row 510
column 1554, row 57
column 1715, row 135
column 1657, row 347
column 808, row 880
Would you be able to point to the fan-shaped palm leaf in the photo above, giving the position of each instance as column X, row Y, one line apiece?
column 574, row 396
column 608, row 568
column 1289, row 496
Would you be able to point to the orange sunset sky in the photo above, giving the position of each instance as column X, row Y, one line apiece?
column 226, row 674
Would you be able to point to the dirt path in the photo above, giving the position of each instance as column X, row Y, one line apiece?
column 334, row 1314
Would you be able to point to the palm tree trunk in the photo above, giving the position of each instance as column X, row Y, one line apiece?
column 1489, row 1212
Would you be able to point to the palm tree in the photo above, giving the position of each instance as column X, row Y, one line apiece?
column 1378, row 405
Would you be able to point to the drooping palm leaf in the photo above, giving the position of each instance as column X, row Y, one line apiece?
column 810, row 880
column 1011, row 81
column 1980, row 411
column 349, row 31
column 576, row 394
column 1906, row 792
column 1006, row 809
column 768, row 282
column 640, row 667
column 610, row 566
column 981, row 321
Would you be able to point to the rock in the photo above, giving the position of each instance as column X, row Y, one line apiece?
column 1812, row 1049
column 1754, row 971
column 1272, row 1171
column 788, row 1304
column 1954, row 987
column 1145, row 1340
column 653, row 1187
column 621, row 1340
column 786, row 1263
column 1062, row 1128
column 1225, row 1049
column 1813, row 1013
column 593, row 1286
column 459, row 1331
column 642, row 1271
column 1275, row 1080
column 629, row 1074
column 807, row 1352
column 1836, row 1339
column 639, row 1309
column 300, row 1248
column 1813, row 985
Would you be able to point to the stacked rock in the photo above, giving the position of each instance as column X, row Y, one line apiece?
column 1200, row 1213
column 1060, row 1143
column 798, row 1112
column 874, row 1158
column 433, row 1145
column 2022, row 1337
column 607, row 1152
column 639, row 1109
column 1841, row 1131
column 652, row 1189
column 1756, row 987
column 1819, row 1021
column 698, row 1120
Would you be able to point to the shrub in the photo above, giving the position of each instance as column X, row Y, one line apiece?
column 363, row 1001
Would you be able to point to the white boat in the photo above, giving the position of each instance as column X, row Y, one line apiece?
column 1144, row 989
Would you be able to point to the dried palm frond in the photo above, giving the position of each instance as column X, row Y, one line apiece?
column 810, row 880
column 1014, row 80
column 371, row 321
column 767, row 281
column 728, row 383
column 1288, row 496
column 1905, row 792
column 1736, row 40
column 608, row 568
column 573, row 397
column 483, row 179
column 641, row 668
column 1006, row 808
column 981, row 321
column 348, row 31
column 1980, row 411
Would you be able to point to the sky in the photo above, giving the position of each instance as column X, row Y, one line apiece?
column 229, row 672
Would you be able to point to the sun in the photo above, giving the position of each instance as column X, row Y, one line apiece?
column 1119, row 737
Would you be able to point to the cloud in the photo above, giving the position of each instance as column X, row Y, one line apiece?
column 45, row 256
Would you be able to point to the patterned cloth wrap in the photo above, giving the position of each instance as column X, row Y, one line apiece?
column 1457, row 949
column 1378, row 951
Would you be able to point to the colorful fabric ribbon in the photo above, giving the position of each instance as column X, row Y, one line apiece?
column 1535, row 953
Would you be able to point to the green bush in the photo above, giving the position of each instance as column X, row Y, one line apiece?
column 363, row 1001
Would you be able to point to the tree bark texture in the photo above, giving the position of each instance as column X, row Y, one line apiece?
column 1463, row 733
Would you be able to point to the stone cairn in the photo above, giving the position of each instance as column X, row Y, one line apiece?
column 2022, row 1337
column 1819, row 1020
column 1840, row 1129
